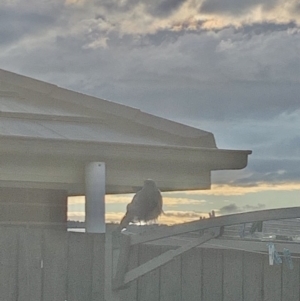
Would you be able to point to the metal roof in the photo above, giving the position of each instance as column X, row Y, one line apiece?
column 70, row 130
column 48, row 134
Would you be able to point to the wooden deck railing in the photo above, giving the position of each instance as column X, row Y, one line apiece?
column 124, row 275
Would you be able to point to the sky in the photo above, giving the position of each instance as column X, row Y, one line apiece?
column 231, row 67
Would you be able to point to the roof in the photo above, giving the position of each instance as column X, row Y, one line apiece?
column 48, row 134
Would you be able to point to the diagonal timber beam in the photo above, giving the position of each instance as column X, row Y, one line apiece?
column 226, row 220
column 166, row 257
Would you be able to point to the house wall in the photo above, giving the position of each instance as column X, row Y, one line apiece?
column 208, row 274
column 33, row 207
column 45, row 264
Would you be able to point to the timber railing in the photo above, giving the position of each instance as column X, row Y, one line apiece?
column 124, row 276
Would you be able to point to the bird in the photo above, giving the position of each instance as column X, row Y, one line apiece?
column 146, row 205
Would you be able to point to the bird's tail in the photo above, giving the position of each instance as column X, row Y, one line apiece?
column 125, row 221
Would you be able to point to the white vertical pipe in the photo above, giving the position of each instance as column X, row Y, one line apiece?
column 95, row 197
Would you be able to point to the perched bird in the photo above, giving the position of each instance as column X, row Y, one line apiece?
column 146, row 205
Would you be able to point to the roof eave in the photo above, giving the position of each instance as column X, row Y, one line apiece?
column 60, row 164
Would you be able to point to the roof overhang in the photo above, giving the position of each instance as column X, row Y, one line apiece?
column 60, row 164
column 48, row 134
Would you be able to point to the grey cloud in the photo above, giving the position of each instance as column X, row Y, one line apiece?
column 296, row 7
column 218, row 101
column 114, row 6
column 15, row 24
column 163, row 8
column 166, row 36
column 274, row 170
column 195, row 72
column 185, row 67
column 233, row 208
column 251, row 207
column 275, row 145
column 234, row 7
column 286, row 147
column 226, row 6
column 273, row 166
column 260, row 95
column 100, row 16
column 265, row 27
column 294, row 145
column 155, row 8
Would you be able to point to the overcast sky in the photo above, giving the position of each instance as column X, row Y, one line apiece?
column 231, row 67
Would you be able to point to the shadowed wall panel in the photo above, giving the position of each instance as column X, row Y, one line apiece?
column 170, row 278
column 148, row 285
column 212, row 274
column 290, row 281
column 272, row 281
column 232, row 275
column 191, row 277
column 33, row 207
column 44, row 264
column 253, row 277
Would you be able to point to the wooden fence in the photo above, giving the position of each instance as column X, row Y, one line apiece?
column 219, row 270
column 42, row 265
column 210, row 274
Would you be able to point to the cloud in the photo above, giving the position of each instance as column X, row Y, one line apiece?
column 248, row 187
column 113, row 217
column 278, row 171
column 75, row 200
column 195, row 67
column 233, row 208
column 177, row 217
column 231, row 7
column 16, row 24
column 169, row 218
column 235, row 7
column 170, row 202
column 264, row 27
column 109, row 199
column 118, row 199
column 184, row 214
column 125, row 199
column 76, row 216
column 237, row 77
column 75, row 2
column 109, row 216
column 164, row 8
